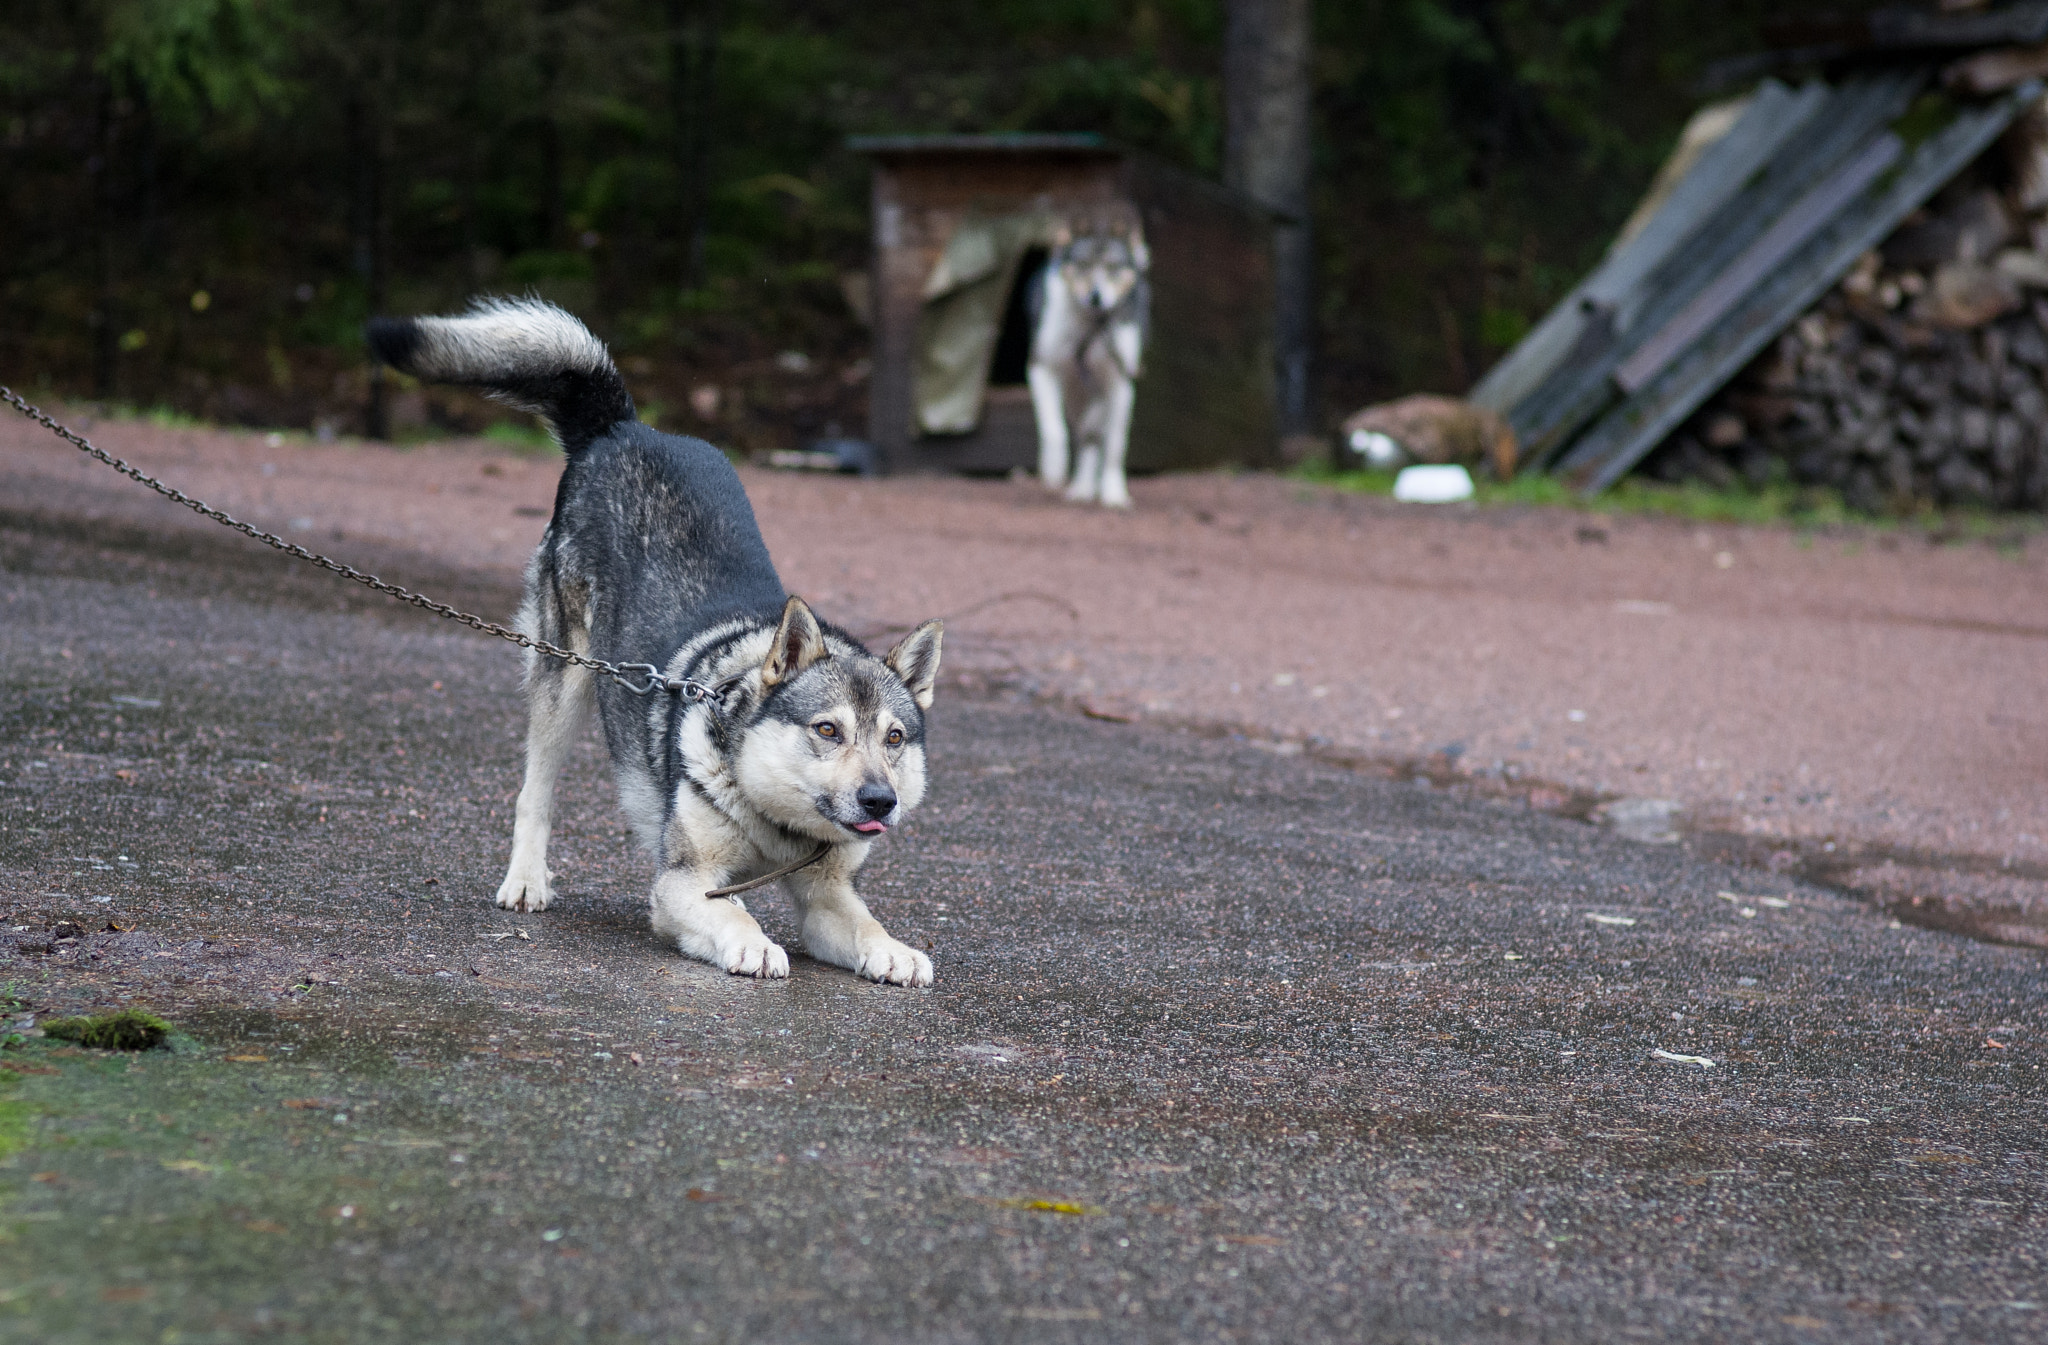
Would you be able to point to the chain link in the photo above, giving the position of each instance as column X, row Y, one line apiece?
column 625, row 674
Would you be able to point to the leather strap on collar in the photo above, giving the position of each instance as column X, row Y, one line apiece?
column 824, row 847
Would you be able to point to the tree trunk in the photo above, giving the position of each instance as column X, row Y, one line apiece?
column 370, row 226
column 692, row 57
column 1266, row 148
column 104, row 319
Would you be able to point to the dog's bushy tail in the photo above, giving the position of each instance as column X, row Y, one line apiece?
column 523, row 352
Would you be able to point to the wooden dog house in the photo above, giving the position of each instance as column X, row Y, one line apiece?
column 989, row 206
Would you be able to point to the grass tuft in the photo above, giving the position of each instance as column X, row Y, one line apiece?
column 122, row 1030
column 1781, row 502
column 527, row 439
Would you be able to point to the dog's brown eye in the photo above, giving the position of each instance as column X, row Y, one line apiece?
column 895, row 737
column 827, row 729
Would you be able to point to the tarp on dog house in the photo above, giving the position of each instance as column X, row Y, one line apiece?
column 961, row 221
column 965, row 300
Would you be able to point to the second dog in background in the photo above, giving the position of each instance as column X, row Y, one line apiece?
column 1091, row 312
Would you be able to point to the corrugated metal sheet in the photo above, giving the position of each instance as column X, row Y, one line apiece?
column 1014, row 142
column 1796, row 226
column 1774, row 112
column 1840, row 126
column 1755, row 304
column 1768, row 219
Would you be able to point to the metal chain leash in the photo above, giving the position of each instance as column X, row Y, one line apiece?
column 625, row 674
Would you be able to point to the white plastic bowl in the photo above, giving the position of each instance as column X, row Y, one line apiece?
column 1435, row 484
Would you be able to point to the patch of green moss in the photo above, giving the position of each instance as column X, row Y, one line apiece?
column 122, row 1030
column 1929, row 115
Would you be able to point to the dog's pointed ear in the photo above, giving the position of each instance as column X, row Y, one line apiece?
column 915, row 659
column 797, row 645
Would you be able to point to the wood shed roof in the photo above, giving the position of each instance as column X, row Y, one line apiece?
column 1082, row 144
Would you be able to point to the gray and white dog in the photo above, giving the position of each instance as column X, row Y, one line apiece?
column 1091, row 311
column 788, row 735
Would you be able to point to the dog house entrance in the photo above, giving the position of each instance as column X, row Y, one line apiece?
column 1006, row 368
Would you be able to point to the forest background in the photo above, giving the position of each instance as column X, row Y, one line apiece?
column 205, row 198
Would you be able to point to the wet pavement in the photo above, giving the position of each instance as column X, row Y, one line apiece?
column 1225, row 1044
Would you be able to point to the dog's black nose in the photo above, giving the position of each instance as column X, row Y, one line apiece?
column 877, row 799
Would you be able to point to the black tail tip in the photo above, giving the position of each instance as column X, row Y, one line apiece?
column 393, row 340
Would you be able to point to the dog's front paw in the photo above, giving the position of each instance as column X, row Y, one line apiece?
column 892, row 963
column 753, row 954
column 526, row 890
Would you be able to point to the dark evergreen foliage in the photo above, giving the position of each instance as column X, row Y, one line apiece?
column 206, row 197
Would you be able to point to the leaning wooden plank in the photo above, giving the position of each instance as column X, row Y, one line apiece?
column 1572, row 398
column 1773, row 113
column 1901, row 30
column 1625, row 434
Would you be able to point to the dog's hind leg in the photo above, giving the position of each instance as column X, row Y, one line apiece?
column 1116, row 437
column 838, row 928
column 558, row 697
column 1087, row 483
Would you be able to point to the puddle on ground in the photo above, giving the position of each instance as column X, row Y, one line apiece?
column 1983, row 898
column 1991, row 900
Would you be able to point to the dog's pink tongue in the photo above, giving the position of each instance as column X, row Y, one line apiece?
column 870, row 827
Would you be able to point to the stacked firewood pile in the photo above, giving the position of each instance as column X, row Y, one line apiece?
column 1922, row 377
